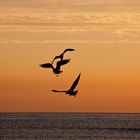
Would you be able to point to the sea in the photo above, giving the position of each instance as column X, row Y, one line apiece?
column 69, row 126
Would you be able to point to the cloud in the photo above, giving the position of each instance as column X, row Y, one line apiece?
column 100, row 27
column 70, row 19
column 120, row 41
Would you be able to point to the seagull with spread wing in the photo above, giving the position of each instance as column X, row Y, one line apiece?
column 57, row 69
column 71, row 91
column 61, row 56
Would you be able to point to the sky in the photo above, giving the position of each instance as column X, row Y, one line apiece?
column 106, row 37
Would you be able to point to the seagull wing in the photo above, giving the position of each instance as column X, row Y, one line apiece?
column 56, row 57
column 63, row 62
column 68, row 50
column 75, row 83
column 46, row 65
column 58, row 90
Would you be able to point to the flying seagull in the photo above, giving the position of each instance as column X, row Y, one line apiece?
column 57, row 69
column 71, row 91
column 61, row 56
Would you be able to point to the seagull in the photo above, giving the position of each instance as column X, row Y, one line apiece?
column 56, row 70
column 71, row 91
column 61, row 56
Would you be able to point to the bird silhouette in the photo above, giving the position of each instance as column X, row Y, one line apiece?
column 61, row 56
column 57, row 69
column 71, row 91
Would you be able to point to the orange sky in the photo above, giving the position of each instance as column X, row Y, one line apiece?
column 109, row 81
column 107, row 55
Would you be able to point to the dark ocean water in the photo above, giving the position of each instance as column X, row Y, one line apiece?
column 69, row 126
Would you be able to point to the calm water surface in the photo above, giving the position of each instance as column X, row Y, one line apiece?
column 69, row 126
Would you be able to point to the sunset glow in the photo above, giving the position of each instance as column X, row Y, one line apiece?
column 106, row 37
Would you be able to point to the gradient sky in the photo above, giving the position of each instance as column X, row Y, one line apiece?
column 106, row 36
